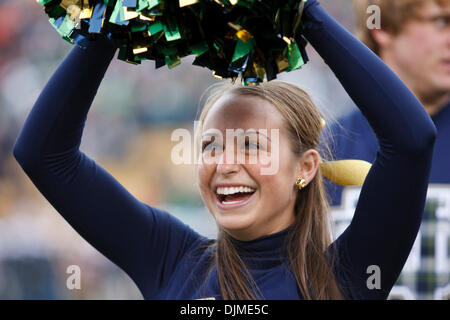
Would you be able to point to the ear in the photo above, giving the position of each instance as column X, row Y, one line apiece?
column 382, row 37
column 308, row 165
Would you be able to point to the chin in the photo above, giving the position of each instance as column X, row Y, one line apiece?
column 234, row 223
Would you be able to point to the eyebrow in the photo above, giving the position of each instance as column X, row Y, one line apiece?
column 246, row 132
column 209, row 135
column 257, row 131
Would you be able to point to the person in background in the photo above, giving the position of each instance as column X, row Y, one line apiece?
column 414, row 41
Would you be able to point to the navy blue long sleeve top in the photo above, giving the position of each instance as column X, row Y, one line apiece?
column 168, row 259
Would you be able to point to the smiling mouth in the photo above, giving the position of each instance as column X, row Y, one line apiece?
column 231, row 198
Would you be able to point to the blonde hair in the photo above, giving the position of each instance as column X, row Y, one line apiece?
column 309, row 238
column 394, row 15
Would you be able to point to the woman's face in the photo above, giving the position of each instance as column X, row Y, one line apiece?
column 250, row 194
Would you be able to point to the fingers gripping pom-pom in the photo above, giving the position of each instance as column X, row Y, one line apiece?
column 254, row 39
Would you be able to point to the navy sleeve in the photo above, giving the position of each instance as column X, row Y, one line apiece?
column 145, row 242
column 390, row 207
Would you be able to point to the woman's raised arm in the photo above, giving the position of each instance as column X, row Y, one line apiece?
column 145, row 242
column 392, row 199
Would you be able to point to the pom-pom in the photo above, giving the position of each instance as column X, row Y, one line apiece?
column 254, row 39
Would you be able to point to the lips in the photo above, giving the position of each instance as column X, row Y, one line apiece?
column 233, row 197
column 234, row 204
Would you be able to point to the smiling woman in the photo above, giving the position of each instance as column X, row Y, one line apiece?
column 274, row 241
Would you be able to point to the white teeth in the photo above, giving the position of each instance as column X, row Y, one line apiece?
column 233, row 190
column 230, row 202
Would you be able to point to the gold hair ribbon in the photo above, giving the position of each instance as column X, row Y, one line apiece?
column 345, row 172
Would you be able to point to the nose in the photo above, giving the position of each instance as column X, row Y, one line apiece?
column 227, row 163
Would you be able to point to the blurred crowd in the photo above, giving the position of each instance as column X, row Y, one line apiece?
column 127, row 132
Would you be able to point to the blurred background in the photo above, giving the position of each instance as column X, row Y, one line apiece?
column 127, row 132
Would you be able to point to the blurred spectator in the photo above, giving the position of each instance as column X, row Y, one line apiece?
column 414, row 40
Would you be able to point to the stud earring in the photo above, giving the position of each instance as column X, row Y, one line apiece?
column 301, row 183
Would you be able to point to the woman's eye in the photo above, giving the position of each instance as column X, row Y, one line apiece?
column 442, row 22
column 252, row 145
column 210, row 146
